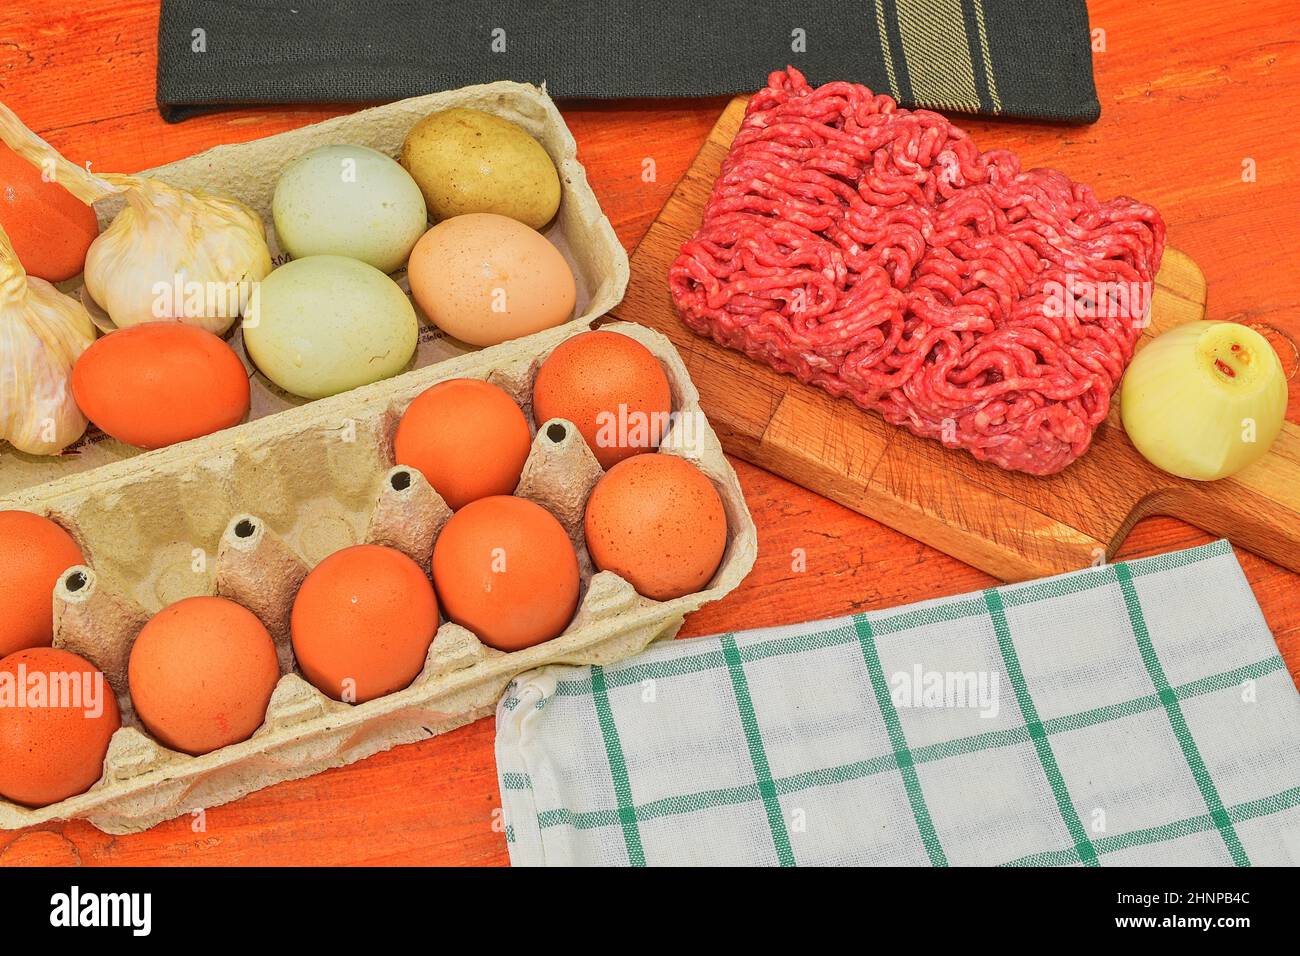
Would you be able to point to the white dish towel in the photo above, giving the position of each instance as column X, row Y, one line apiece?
column 1137, row 713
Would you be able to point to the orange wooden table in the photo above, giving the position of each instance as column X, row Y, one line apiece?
column 1188, row 93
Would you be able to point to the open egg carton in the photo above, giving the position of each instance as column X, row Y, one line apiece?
column 247, row 518
column 249, row 172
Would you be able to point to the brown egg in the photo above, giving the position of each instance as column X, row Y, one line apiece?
column 484, row 278
column 363, row 622
column 505, row 570
column 34, row 552
column 612, row 388
column 50, row 228
column 201, row 673
column 49, row 753
column 657, row 522
column 160, row 383
column 467, row 437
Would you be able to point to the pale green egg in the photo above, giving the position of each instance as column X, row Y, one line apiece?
column 348, row 201
column 325, row 324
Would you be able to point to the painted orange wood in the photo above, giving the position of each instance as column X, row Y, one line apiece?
column 1189, row 89
column 1013, row 526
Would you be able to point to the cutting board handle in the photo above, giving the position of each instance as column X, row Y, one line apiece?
column 1258, row 508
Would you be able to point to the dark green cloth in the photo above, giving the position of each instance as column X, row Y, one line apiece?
column 1026, row 59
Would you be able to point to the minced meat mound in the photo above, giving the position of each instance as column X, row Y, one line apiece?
column 875, row 252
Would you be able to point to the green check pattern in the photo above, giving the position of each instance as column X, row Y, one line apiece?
column 1131, row 714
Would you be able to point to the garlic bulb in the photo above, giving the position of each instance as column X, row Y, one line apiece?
column 170, row 254
column 42, row 333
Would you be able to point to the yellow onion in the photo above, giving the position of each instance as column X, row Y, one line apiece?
column 1204, row 400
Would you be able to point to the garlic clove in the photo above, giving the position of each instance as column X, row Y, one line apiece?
column 98, row 317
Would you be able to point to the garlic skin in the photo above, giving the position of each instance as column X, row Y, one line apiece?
column 42, row 333
column 172, row 254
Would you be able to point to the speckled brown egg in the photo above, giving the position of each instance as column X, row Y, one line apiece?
column 657, row 522
column 202, row 672
column 34, row 551
column 49, row 753
column 612, row 388
column 467, row 437
column 505, row 570
column 363, row 622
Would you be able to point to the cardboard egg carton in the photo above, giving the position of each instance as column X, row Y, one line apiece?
column 249, row 172
column 247, row 518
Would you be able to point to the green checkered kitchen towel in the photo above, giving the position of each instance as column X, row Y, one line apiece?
column 1136, row 713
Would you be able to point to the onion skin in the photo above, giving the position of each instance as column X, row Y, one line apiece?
column 1204, row 400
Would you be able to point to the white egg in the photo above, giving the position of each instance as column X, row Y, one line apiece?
column 325, row 324
column 349, row 201
column 484, row 279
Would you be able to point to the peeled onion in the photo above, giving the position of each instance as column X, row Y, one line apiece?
column 1204, row 400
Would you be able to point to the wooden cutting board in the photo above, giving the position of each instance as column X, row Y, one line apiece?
column 1011, row 525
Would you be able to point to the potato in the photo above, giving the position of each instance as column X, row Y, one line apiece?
column 467, row 161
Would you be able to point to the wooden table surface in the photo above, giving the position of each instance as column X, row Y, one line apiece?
column 1188, row 93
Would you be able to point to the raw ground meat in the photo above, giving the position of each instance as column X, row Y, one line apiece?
column 877, row 253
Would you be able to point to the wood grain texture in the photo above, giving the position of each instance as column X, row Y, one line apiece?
column 1188, row 89
column 1013, row 526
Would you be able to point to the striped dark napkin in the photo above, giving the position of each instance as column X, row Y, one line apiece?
column 1029, row 59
